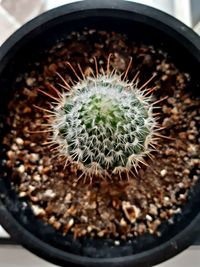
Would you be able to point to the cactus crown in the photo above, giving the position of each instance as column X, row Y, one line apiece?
column 104, row 125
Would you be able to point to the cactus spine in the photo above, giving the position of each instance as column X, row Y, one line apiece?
column 104, row 124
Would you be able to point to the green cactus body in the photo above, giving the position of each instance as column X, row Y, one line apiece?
column 104, row 124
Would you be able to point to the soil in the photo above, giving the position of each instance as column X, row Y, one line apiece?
column 118, row 209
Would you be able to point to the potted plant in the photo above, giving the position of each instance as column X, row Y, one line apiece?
column 99, row 135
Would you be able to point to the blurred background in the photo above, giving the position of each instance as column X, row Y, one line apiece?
column 13, row 14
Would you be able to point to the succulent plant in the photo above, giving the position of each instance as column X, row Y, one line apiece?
column 104, row 124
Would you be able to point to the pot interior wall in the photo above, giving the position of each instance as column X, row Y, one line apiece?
column 31, row 48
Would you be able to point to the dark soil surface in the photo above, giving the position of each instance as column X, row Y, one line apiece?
column 117, row 209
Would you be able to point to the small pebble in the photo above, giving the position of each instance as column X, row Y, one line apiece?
column 131, row 211
column 44, row 177
column 149, row 218
column 167, row 199
column 31, row 188
column 191, row 137
column 19, row 141
column 68, row 197
column 11, row 154
column 169, row 151
column 174, row 111
column 89, row 228
column 38, row 211
column 21, row 169
column 68, row 226
column 171, row 100
column 14, row 147
column 141, row 228
column 27, row 110
column 163, row 172
column 117, row 242
column 93, row 205
column 182, row 197
column 22, row 194
column 49, row 193
column 187, row 101
column 183, row 135
column 84, row 219
column 30, row 81
column 123, row 222
column 57, row 225
column 36, row 177
column 164, row 77
column 192, row 148
column 40, row 169
column 180, row 185
column 153, row 209
column 186, row 171
column 178, row 210
column 33, row 157
column 101, row 233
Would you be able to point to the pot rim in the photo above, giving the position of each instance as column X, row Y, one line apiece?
column 149, row 257
column 155, row 17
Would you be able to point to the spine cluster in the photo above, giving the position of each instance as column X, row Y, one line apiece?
column 104, row 125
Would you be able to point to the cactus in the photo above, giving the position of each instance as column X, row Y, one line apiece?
column 104, row 124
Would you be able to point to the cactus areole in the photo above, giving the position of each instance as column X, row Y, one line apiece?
column 104, row 124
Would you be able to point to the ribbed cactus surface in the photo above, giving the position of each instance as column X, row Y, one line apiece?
column 104, row 124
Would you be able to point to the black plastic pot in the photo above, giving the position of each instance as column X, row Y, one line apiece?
column 139, row 23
